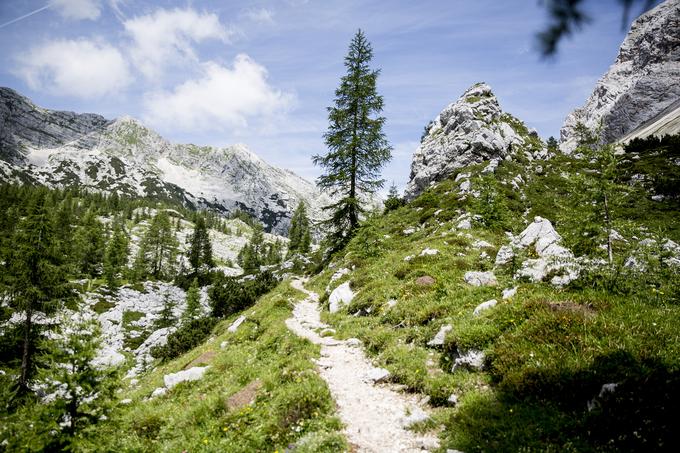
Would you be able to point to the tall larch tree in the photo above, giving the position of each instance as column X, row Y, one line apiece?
column 357, row 146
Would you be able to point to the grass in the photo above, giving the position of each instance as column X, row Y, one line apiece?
column 548, row 350
column 292, row 407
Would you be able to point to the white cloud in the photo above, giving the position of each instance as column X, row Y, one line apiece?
column 80, row 68
column 166, row 37
column 222, row 98
column 260, row 15
column 77, row 9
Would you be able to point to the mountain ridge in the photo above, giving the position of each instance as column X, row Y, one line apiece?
column 64, row 149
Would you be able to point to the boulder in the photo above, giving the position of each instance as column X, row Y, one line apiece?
column 377, row 375
column 415, row 416
column 192, row 374
column 340, row 297
column 439, row 338
column 508, row 293
column 476, row 278
column 236, row 324
column 429, row 252
column 425, row 280
column 472, row 360
column 484, row 306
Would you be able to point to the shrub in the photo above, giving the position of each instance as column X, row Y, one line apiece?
column 185, row 338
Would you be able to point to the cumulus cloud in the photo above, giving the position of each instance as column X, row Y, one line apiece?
column 221, row 98
column 77, row 9
column 80, row 68
column 166, row 37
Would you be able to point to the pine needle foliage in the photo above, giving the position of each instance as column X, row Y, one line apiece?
column 357, row 145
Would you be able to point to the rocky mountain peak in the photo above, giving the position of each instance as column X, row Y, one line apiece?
column 471, row 130
column 642, row 84
column 66, row 149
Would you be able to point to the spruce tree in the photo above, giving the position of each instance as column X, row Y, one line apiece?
column 299, row 234
column 166, row 318
column 83, row 389
column 357, row 144
column 193, row 307
column 89, row 245
column 200, row 249
column 36, row 279
column 115, row 257
column 393, row 200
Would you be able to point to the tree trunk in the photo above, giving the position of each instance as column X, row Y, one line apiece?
column 26, row 354
column 607, row 219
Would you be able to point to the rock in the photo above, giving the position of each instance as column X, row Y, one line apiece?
column 192, row 374
column 472, row 360
column 340, row 297
column 425, row 280
column 391, row 303
column 126, row 401
column 510, row 292
column 641, row 89
column 484, row 306
column 244, row 397
column 134, row 382
column 541, row 233
column 429, row 252
column 409, row 231
column 452, row 400
column 476, row 278
column 409, row 258
column 377, row 375
column 353, row 342
column 505, row 255
column 160, row 391
column 339, row 274
column 416, row 416
column 465, row 224
column 235, row 325
column 469, row 131
column 224, row 344
column 438, row 339
column 479, row 244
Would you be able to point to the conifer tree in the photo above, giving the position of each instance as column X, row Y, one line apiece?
column 158, row 251
column 200, row 249
column 84, row 389
column 393, row 200
column 166, row 317
column 35, row 279
column 299, row 234
column 193, row 303
column 116, row 255
column 89, row 245
column 357, row 144
column 253, row 254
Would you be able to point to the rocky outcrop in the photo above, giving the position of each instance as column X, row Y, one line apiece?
column 640, row 86
column 471, row 130
column 65, row 149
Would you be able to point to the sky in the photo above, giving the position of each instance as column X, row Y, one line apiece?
column 220, row 72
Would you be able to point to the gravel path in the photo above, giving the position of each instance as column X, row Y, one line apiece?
column 375, row 415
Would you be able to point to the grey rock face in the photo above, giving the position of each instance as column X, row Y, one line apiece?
column 640, row 85
column 65, row 149
column 471, row 130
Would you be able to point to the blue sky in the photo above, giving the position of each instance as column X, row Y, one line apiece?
column 262, row 73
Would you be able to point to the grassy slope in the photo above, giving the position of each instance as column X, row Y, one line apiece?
column 292, row 404
column 548, row 350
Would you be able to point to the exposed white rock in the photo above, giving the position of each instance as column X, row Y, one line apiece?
column 236, row 324
column 484, row 306
column 337, row 275
column 409, row 258
column 641, row 86
column 416, row 416
column 429, row 252
column 440, row 337
column 159, row 391
column 480, row 244
column 505, row 255
column 192, row 374
column 509, row 293
column 476, row 278
column 453, row 399
column 126, row 401
column 471, row 130
column 377, row 375
column 472, row 360
column 409, row 231
column 340, row 297
column 464, row 224
column 391, row 303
